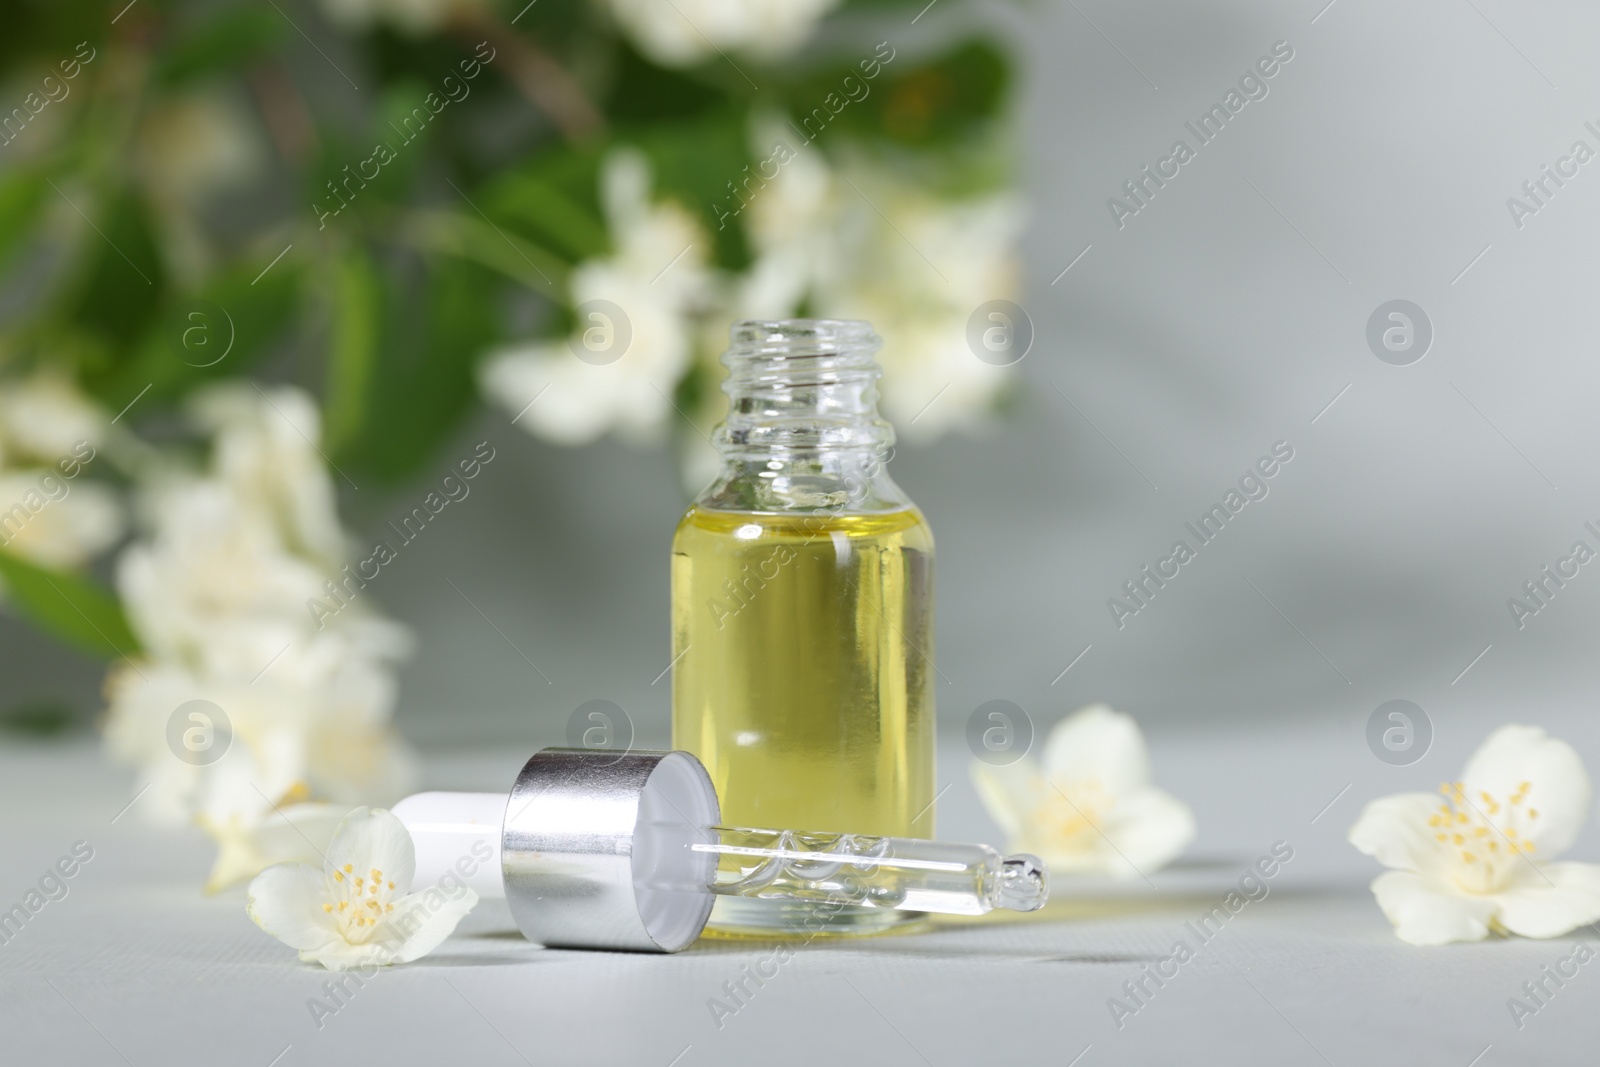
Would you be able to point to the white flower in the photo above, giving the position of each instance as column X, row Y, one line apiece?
column 293, row 833
column 358, row 911
column 682, row 32
column 264, row 450
column 55, row 522
column 322, row 732
column 412, row 16
column 921, row 269
column 45, row 418
column 213, row 577
column 656, row 275
column 1476, row 857
column 49, row 513
column 1091, row 808
column 857, row 242
column 220, row 595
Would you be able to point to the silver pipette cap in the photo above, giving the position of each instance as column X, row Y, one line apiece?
column 593, row 849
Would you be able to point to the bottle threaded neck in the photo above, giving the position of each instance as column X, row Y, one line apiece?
column 797, row 385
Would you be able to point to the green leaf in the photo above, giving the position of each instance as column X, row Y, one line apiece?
column 643, row 93
column 935, row 103
column 40, row 718
column 536, row 207
column 694, row 164
column 352, row 360
column 256, row 310
column 434, row 328
column 69, row 607
column 21, row 192
column 220, row 45
column 118, row 281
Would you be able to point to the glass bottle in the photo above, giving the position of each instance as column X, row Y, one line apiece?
column 802, row 612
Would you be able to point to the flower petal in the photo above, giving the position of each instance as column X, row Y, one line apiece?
column 1551, row 900
column 1424, row 913
column 1395, row 830
column 374, row 837
column 417, row 926
column 341, row 955
column 286, row 901
column 1098, row 744
column 1147, row 830
column 1560, row 793
column 295, row 833
column 430, row 917
column 1009, row 794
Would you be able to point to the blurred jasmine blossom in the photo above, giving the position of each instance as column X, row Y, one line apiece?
column 216, row 590
column 1088, row 806
column 685, row 32
column 654, row 274
column 49, row 433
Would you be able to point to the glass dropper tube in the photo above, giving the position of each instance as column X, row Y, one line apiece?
column 900, row 873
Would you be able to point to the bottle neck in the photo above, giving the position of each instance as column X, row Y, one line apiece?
column 803, row 430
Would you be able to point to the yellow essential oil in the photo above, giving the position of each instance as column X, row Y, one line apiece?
column 802, row 620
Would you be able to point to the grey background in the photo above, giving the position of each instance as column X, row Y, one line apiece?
column 1224, row 317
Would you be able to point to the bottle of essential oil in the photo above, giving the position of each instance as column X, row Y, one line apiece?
column 802, row 612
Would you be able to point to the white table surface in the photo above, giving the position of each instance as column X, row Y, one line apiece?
column 136, row 967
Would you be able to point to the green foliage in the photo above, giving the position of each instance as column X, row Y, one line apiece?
column 21, row 193
column 69, row 607
column 643, row 94
column 392, row 413
column 39, row 718
column 406, row 230
column 257, row 310
column 694, row 162
column 114, row 293
column 358, row 315
column 420, row 243
column 219, row 44
column 930, row 104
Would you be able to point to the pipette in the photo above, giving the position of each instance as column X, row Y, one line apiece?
column 601, row 849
